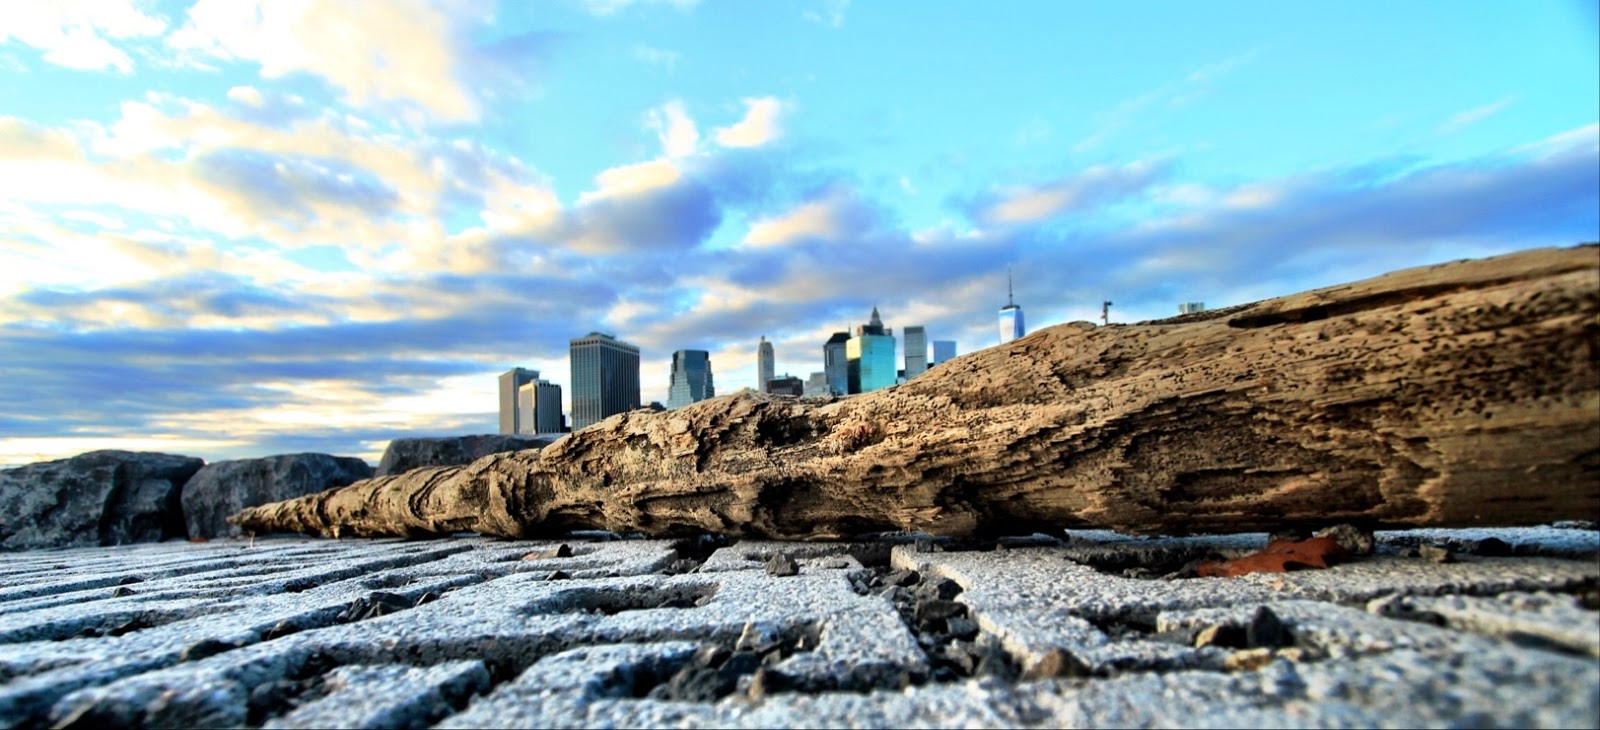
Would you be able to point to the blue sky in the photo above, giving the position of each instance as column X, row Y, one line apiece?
column 234, row 228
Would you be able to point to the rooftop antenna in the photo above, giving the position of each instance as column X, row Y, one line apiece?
column 1009, row 302
column 1105, row 312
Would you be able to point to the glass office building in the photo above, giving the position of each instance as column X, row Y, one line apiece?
column 870, row 357
column 511, row 383
column 1011, row 326
column 540, row 403
column 944, row 351
column 916, row 351
column 871, row 360
column 835, row 365
column 691, row 378
column 605, row 378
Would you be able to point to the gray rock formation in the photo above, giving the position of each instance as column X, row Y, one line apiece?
column 98, row 498
column 403, row 455
column 225, row 487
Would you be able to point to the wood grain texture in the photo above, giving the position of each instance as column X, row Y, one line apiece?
column 1459, row 394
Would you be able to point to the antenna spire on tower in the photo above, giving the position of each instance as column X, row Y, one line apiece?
column 1009, row 301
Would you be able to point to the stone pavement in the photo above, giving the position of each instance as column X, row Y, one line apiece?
column 1092, row 629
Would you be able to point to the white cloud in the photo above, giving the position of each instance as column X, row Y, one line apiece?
column 625, row 180
column 95, row 218
column 829, row 219
column 1472, row 116
column 1254, row 196
column 1034, row 203
column 19, row 451
column 317, row 182
column 1187, row 195
column 759, row 126
column 74, row 33
column 656, row 56
column 828, row 12
column 376, row 52
column 609, row 7
column 21, row 141
column 674, row 128
column 1132, row 112
column 246, row 95
column 1581, row 140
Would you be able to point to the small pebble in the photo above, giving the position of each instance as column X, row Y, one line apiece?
column 1436, row 554
column 781, row 565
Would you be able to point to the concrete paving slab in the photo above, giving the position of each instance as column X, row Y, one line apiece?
column 1053, row 631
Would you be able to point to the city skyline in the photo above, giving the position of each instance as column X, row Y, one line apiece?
column 691, row 375
column 232, row 228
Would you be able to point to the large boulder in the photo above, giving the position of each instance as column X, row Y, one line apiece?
column 403, row 455
column 98, row 498
column 225, row 487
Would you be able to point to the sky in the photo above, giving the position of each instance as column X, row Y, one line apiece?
column 237, row 228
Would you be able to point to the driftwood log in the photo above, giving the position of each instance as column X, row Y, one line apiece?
column 1453, row 395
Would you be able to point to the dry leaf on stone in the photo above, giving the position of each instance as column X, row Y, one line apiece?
column 1279, row 556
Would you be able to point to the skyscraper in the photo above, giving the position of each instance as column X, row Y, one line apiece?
column 765, row 365
column 691, row 378
column 870, row 357
column 1011, row 325
column 1191, row 307
column 510, row 381
column 605, row 378
column 540, row 406
column 916, row 351
column 944, row 351
column 835, row 364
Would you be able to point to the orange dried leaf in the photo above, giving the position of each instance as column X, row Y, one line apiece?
column 1279, row 556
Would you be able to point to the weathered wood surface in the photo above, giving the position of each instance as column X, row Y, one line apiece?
column 1460, row 394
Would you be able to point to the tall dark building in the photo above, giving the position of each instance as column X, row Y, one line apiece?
column 691, row 378
column 786, row 385
column 605, row 378
column 510, row 414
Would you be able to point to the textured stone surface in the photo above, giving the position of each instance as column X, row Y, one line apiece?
column 403, row 455
column 1462, row 394
column 222, row 488
column 466, row 632
column 98, row 498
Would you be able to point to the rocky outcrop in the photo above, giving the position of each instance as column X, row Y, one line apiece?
column 98, row 498
column 403, row 455
column 1452, row 395
column 225, row 487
